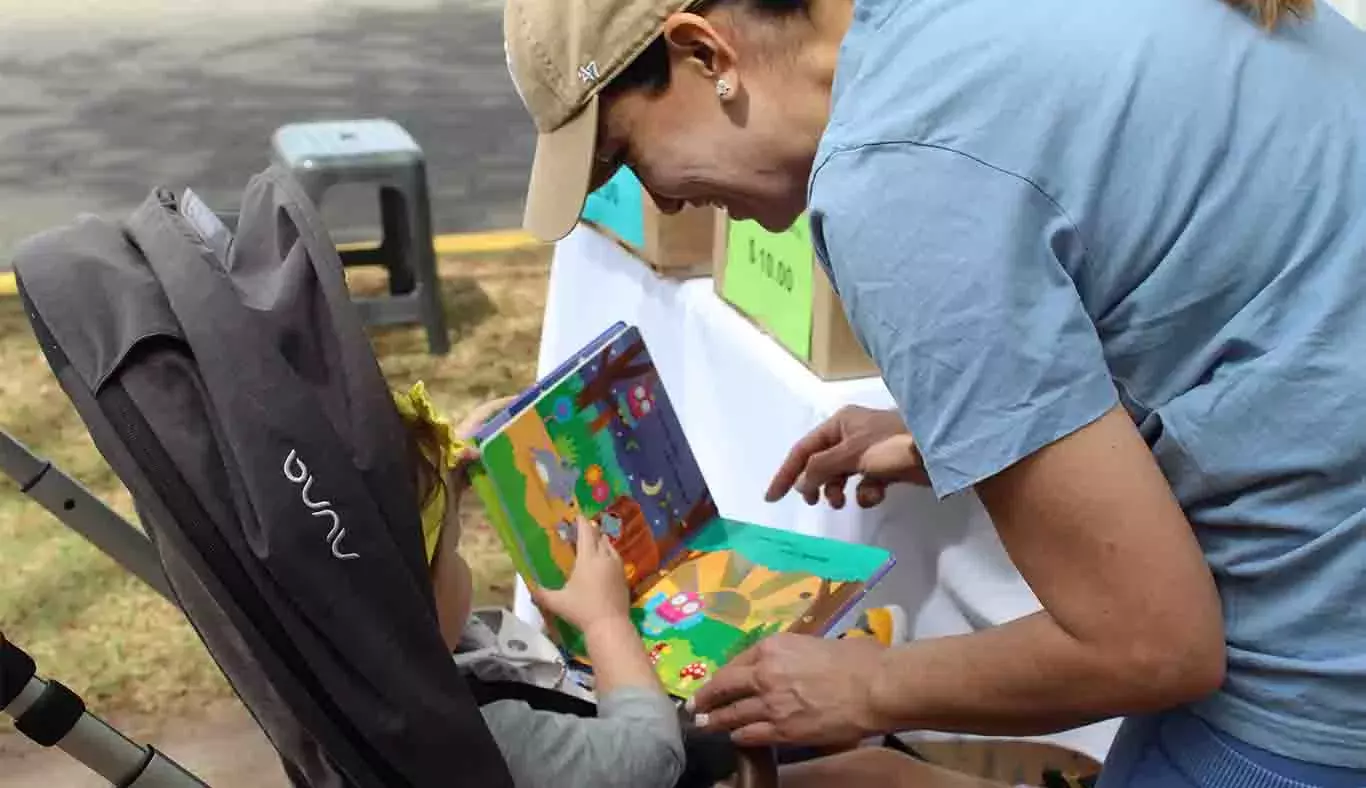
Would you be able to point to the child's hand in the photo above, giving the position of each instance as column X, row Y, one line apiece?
column 596, row 591
column 458, row 480
column 481, row 414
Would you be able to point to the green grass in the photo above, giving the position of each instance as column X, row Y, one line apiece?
column 114, row 641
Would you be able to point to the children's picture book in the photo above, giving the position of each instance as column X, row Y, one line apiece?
column 598, row 438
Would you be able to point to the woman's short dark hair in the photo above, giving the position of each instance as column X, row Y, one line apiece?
column 650, row 70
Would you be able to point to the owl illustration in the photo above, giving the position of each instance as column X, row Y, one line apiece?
column 637, row 403
column 681, row 611
column 641, row 400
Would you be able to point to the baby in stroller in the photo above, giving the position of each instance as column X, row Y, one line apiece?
column 635, row 739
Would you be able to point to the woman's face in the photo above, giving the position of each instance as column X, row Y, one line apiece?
column 688, row 146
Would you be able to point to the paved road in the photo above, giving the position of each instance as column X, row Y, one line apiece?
column 102, row 99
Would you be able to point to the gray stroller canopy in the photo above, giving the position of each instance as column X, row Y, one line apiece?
column 232, row 388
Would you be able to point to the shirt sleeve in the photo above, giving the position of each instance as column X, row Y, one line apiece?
column 634, row 742
column 955, row 277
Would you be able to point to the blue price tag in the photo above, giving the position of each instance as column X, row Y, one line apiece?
column 619, row 206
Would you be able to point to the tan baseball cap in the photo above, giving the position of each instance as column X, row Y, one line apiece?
column 561, row 53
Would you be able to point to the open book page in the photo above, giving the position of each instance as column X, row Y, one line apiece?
column 602, row 441
column 735, row 583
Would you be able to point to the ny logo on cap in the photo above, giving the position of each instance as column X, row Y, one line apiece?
column 589, row 73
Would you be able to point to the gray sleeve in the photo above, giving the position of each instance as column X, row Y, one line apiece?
column 635, row 742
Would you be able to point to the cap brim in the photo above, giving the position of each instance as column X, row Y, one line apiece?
column 560, row 175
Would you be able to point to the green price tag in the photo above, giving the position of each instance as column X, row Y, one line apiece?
column 768, row 277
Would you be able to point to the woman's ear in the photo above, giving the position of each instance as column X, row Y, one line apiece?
column 700, row 47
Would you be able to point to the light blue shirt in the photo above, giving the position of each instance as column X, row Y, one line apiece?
column 1035, row 210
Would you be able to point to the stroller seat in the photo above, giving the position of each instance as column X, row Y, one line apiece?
column 232, row 388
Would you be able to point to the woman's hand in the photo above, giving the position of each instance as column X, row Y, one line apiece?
column 794, row 689
column 596, row 591
column 872, row 444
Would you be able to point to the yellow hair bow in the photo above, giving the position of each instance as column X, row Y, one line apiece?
column 415, row 406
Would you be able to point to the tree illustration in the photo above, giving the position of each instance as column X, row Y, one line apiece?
column 565, row 447
column 615, row 370
column 703, row 509
column 829, row 601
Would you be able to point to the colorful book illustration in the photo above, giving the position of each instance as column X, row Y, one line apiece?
column 599, row 438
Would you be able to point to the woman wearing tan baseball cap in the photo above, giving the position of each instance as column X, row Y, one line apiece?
column 1107, row 256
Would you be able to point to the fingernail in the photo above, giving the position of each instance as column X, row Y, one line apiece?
column 690, row 705
column 702, row 720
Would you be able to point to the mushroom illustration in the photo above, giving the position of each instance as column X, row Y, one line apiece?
column 658, row 651
column 694, row 672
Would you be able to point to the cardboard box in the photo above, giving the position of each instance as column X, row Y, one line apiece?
column 775, row 280
column 678, row 246
column 1010, row 761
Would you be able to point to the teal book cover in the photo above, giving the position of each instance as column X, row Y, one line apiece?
column 599, row 438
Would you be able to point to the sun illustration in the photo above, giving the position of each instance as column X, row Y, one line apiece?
column 726, row 586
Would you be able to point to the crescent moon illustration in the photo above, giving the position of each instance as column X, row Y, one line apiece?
column 651, row 488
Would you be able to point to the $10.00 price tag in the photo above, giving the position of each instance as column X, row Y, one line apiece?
column 768, row 277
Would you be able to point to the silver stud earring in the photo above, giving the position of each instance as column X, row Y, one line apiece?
column 722, row 89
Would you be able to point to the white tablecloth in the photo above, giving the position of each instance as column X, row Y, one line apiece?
column 743, row 401
column 1354, row 10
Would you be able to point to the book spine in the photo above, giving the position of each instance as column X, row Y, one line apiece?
column 858, row 596
column 487, row 491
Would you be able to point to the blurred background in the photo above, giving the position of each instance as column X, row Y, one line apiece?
column 102, row 99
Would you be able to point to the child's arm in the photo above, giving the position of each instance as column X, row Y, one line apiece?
column 636, row 740
column 597, row 602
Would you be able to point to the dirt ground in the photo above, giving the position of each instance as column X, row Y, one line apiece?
column 223, row 747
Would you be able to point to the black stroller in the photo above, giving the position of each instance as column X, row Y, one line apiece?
column 227, row 379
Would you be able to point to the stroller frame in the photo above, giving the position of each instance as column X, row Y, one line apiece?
column 45, row 711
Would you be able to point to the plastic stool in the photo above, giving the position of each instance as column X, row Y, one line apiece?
column 326, row 154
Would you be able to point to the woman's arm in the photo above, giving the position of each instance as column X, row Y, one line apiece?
column 876, row 767
column 971, row 301
column 983, row 336
column 1132, row 621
